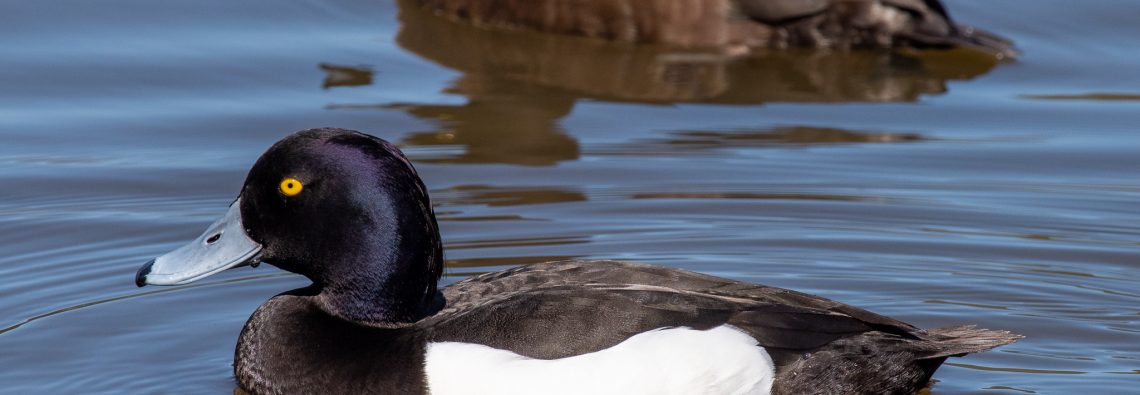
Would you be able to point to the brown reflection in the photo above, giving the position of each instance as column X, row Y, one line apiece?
column 498, row 196
column 519, row 84
column 696, row 141
column 500, row 123
column 1088, row 96
column 789, row 135
column 646, row 73
column 345, row 75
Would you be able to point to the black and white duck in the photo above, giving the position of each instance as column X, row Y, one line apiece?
column 348, row 211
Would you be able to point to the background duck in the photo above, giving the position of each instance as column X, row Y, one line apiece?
column 736, row 24
column 348, row 211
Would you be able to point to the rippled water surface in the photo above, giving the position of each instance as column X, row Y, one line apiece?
column 937, row 187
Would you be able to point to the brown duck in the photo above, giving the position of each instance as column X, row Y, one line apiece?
column 736, row 25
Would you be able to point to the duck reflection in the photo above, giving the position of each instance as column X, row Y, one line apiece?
column 605, row 70
column 492, row 196
column 793, row 135
column 501, row 123
column 336, row 75
column 519, row 84
column 704, row 141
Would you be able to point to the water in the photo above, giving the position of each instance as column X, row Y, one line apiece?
column 939, row 188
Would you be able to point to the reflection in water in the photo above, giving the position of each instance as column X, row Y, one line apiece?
column 500, row 123
column 345, row 75
column 756, row 196
column 696, row 141
column 644, row 73
column 519, row 84
column 491, row 196
column 789, row 135
column 1088, row 96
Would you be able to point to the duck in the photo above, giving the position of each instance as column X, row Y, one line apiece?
column 736, row 25
column 348, row 211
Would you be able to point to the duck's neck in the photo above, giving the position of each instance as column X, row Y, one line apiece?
column 386, row 277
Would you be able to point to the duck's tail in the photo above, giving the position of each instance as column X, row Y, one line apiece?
column 971, row 37
column 965, row 36
column 955, row 341
column 927, row 24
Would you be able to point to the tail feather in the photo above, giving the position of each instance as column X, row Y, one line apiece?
column 971, row 37
column 956, row 341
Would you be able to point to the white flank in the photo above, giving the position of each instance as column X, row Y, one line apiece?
column 721, row 360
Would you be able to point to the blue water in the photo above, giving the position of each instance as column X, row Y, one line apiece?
column 938, row 188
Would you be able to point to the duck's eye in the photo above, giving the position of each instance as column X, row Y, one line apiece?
column 290, row 186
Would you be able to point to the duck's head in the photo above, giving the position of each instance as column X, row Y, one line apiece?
column 345, row 209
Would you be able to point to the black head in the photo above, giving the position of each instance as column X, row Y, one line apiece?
column 345, row 209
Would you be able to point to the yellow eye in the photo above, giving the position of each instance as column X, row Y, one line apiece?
column 290, row 186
